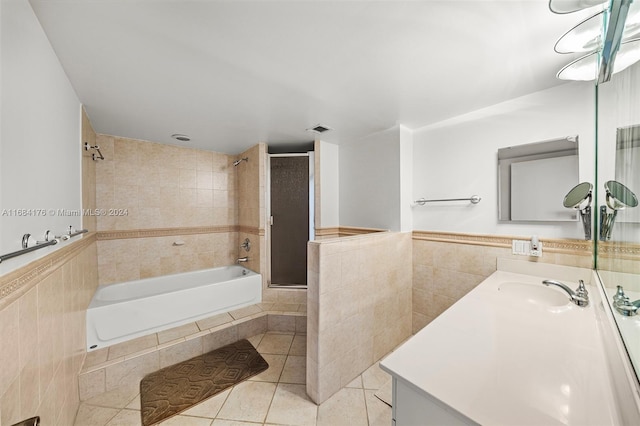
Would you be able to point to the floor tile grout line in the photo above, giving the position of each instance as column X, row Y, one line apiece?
column 366, row 406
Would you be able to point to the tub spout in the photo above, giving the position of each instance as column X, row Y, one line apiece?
column 242, row 259
column 580, row 297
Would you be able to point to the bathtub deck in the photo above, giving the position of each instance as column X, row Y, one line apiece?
column 108, row 368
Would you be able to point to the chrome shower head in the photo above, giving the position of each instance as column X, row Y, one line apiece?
column 235, row 163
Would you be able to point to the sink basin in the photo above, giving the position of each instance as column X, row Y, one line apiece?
column 536, row 294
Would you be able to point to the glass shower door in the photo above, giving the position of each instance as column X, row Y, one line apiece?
column 289, row 188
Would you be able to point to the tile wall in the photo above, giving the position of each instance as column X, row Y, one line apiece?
column 358, row 295
column 88, row 173
column 251, row 180
column 155, row 195
column 43, row 335
column 619, row 256
column 448, row 266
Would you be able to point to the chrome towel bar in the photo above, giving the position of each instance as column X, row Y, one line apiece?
column 474, row 199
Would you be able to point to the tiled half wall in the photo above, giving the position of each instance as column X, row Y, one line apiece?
column 446, row 266
column 43, row 334
column 359, row 291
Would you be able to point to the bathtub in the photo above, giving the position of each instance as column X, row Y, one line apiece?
column 124, row 311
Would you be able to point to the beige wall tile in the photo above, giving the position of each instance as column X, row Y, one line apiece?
column 362, row 312
column 131, row 371
column 177, row 332
column 252, row 327
column 281, row 323
column 46, row 325
column 10, row 404
column 219, row 339
column 181, row 352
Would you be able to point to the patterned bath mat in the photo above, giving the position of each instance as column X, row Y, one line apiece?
column 173, row 389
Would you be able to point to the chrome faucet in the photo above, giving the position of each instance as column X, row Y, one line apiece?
column 580, row 297
column 622, row 304
column 242, row 259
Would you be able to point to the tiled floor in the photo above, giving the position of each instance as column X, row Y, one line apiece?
column 274, row 397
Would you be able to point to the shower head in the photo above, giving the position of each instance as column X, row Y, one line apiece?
column 235, row 163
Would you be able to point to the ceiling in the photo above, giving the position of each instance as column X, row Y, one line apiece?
column 233, row 73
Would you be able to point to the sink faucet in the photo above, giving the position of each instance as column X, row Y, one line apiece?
column 580, row 297
column 242, row 259
column 623, row 305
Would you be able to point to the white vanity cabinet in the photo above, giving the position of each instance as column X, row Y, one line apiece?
column 413, row 407
column 510, row 352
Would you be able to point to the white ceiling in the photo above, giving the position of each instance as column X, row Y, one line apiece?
column 233, row 73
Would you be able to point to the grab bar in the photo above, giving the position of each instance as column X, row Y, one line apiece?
column 474, row 199
column 38, row 246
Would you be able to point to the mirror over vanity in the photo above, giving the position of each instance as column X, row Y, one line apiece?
column 617, row 251
column 533, row 177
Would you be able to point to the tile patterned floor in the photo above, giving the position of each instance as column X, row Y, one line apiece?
column 274, row 397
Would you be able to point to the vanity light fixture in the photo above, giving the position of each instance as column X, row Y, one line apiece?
column 568, row 6
column 609, row 37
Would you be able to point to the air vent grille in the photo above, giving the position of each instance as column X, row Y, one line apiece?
column 319, row 128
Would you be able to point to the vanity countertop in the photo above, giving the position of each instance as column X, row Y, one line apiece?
column 498, row 358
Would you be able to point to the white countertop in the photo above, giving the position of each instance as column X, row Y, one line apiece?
column 499, row 359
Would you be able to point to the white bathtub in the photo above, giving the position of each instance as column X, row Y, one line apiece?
column 123, row 311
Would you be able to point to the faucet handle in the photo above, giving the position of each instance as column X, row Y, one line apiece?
column 581, row 291
column 625, row 307
column 619, row 296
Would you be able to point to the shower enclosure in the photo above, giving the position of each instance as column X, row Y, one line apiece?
column 291, row 178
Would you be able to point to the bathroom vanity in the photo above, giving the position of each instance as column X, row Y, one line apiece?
column 512, row 351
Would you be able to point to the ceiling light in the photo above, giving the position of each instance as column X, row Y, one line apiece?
column 587, row 35
column 604, row 35
column 568, row 6
column 586, row 67
column 181, row 138
column 584, row 37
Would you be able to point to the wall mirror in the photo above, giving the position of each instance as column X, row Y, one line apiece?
column 618, row 176
column 533, row 180
column 627, row 160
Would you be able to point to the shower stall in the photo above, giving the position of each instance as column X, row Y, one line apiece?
column 291, row 217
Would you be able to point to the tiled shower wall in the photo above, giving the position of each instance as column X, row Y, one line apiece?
column 168, row 209
column 88, row 173
column 358, row 306
column 446, row 266
column 251, row 181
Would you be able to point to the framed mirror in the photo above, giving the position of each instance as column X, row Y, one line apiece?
column 533, row 180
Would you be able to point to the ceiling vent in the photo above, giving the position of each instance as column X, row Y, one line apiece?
column 180, row 137
column 319, row 128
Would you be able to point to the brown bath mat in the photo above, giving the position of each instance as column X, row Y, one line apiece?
column 173, row 389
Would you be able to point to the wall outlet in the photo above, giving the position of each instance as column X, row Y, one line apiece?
column 536, row 252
